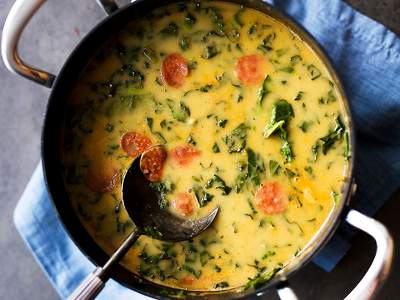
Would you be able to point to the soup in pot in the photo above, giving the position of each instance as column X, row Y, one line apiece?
column 251, row 121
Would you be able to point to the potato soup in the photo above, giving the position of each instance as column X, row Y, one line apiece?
column 251, row 121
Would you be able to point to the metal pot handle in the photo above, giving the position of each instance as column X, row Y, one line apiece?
column 377, row 273
column 17, row 19
column 109, row 6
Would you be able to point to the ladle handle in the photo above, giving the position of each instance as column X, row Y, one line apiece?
column 95, row 281
column 90, row 287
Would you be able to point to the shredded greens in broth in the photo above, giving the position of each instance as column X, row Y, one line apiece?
column 251, row 120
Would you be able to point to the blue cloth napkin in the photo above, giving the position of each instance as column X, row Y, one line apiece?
column 367, row 58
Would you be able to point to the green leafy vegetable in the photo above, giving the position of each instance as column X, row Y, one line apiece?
column 153, row 232
column 149, row 122
column 299, row 96
column 309, row 170
column 218, row 20
column 274, row 167
column 180, row 114
column 295, row 59
column 205, row 256
column 314, row 151
column 171, row 30
column 150, row 54
column 191, row 270
column 210, row 51
column 252, row 29
column 334, row 136
column 280, row 52
column 288, row 69
column 305, row 125
column 217, row 268
column 314, row 71
column 273, row 127
column 190, row 20
column 255, row 165
column 162, row 188
column 215, row 148
column 109, row 127
column 236, row 20
column 191, row 140
column 184, row 43
column 221, row 285
column 202, row 196
column 192, row 65
column 261, row 278
column 287, row 151
column 336, row 197
column 236, row 141
column 268, row 254
column 220, row 184
column 222, row 122
column 160, row 137
column 282, row 113
column 263, row 91
column 206, row 88
column 241, row 177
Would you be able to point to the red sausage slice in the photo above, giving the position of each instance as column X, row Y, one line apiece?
column 271, row 199
column 184, row 155
column 102, row 178
column 250, row 69
column 134, row 143
column 183, row 203
column 152, row 163
column 174, row 70
column 187, row 280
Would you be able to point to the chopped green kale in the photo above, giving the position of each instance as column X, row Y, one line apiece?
column 220, row 184
column 274, row 167
column 182, row 113
column 171, row 30
column 202, row 196
column 255, row 167
column 282, row 113
column 264, row 90
column 314, row 71
column 236, row 140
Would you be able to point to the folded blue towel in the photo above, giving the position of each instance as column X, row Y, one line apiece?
column 367, row 58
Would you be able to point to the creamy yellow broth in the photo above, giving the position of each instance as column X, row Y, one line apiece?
column 244, row 243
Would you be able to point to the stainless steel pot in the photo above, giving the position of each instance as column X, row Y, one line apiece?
column 18, row 18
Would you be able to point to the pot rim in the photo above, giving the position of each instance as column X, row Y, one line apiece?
column 52, row 163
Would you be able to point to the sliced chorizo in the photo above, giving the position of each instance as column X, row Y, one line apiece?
column 184, row 155
column 183, row 203
column 271, row 199
column 251, row 69
column 174, row 70
column 152, row 163
column 134, row 143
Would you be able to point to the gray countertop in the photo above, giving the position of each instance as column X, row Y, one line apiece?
column 48, row 40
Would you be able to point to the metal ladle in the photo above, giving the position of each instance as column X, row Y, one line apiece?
column 142, row 205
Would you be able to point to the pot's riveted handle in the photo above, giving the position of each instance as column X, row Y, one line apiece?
column 18, row 17
column 380, row 267
column 377, row 273
column 285, row 292
column 109, row 6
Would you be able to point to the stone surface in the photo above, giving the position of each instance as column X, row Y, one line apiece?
column 48, row 40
